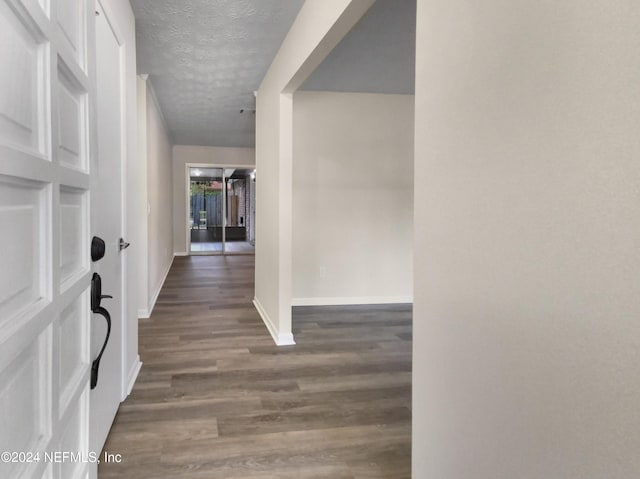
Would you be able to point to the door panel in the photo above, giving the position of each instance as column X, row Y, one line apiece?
column 107, row 214
column 44, row 219
column 239, row 219
column 206, row 208
column 74, row 437
column 74, row 220
column 21, row 212
column 73, row 350
column 21, row 93
column 72, row 108
column 24, row 393
column 71, row 19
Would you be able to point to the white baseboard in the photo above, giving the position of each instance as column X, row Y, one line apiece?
column 182, row 253
column 133, row 375
column 146, row 313
column 349, row 301
column 281, row 339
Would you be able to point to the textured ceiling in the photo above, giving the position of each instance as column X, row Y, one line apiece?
column 377, row 56
column 205, row 58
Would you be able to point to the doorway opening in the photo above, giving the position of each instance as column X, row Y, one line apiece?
column 222, row 204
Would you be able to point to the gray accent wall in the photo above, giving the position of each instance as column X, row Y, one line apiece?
column 377, row 56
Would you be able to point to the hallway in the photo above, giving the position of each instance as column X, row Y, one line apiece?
column 217, row 399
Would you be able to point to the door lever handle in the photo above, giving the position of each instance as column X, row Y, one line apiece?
column 123, row 244
column 96, row 298
column 96, row 292
column 95, row 365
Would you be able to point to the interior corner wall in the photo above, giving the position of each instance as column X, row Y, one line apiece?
column 205, row 155
column 160, row 199
column 352, row 198
column 318, row 27
column 527, row 258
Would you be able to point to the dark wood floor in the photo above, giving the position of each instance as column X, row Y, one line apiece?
column 217, row 399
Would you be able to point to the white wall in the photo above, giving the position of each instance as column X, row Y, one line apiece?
column 206, row 155
column 317, row 29
column 155, row 196
column 352, row 198
column 527, row 259
column 139, row 246
column 159, row 197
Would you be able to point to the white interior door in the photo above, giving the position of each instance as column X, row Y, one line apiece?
column 107, row 223
column 45, row 178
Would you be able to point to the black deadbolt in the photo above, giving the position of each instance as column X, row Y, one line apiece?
column 97, row 249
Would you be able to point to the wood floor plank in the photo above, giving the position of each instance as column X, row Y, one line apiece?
column 216, row 399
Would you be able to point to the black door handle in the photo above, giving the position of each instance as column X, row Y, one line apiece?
column 95, row 365
column 96, row 299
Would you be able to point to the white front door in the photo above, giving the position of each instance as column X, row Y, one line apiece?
column 45, row 181
column 107, row 223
